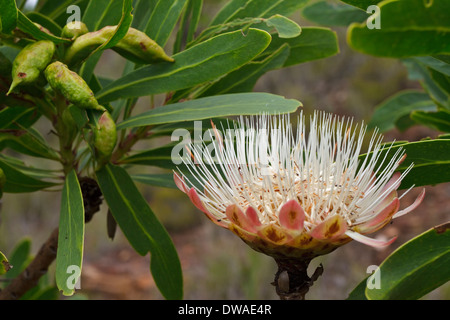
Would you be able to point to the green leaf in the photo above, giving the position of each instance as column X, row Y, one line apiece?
column 286, row 28
column 28, row 142
column 245, row 78
column 204, row 62
column 156, row 180
column 333, row 14
column 112, row 15
column 19, row 258
column 69, row 256
column 27, row 26
column 159, row 157
column 437, row 120
column 142, row 229
column 312, row 44
column 142, row 12
column 164, row 19
column 213, row 107
column 122, row 27
column 428, row 77
column 20, row 182
column 44, row 21
column 431, row 160
column 8, row 15
column 10, row 118
column 416, row 268
column 436, row 64
column 403, row 103
column 102, row 13
column 240, row 9
column 426, row 22
column 188, row 24
column 4, row 264
column 37, row 173
column 359, row 292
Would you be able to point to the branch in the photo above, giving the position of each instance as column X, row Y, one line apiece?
column 29, row 278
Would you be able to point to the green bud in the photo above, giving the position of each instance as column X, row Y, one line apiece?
column 71, row 86
column 30, row 62
column 135, row 46
column 74, row 29
column 105, row 138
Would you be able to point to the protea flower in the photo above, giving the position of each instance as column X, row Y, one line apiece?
column 296, row 195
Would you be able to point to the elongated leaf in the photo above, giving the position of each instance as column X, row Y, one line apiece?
column 436, row 120
column 403, row 103
column 188, row 24
column 416, row 268
column 4, row 264
column 157, row 180
column 213, row 107
column 142, row 229
column 204, row 62
column 8, row 15
column 34, row 172
column 142, row 12
column 427, row 23
column 113, row 14
column 164, row 19
column 426, row 76
column 312, row 44
column 285, row 27
column 122, row 27
column 359, row 292
column 431, row 160
column 27, row 26
column 69, row 257
column 98, row 11
column 240, row 9
column 28, row 142
column 330, row 14
column 19, row 258
column 10, row 117
column 44, row 21
column 245, row 78
column 434, row 63
column 19, row 182
column 160, row 157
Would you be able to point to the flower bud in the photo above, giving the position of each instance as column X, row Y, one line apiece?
column 30, row 62
column 71, row 86
column 105, row 137
column 74, row 29
column 135, row 46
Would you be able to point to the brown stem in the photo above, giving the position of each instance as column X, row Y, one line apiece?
column 29, row 278
column 292, row 281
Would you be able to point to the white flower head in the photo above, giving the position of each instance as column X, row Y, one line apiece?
column 296, row 192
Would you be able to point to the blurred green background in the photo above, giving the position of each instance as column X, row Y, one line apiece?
column 216, row 264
